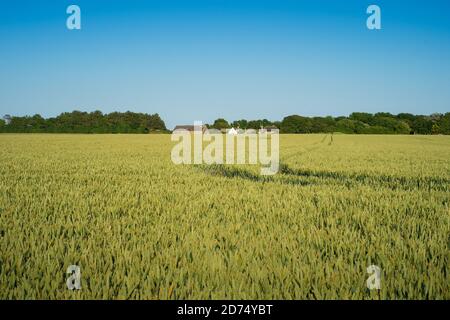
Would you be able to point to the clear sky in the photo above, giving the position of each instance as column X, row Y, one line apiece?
column 200, row 60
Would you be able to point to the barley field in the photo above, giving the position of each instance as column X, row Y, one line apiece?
column 140, row 227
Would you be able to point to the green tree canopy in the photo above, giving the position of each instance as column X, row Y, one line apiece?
column 296, row 124
column 84, row 122
column 444, row 124
column 220, row 124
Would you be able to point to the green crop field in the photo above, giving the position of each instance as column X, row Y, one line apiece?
column 140, row 227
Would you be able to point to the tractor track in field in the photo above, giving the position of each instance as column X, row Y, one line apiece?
column 305, row 177
column 309, row 148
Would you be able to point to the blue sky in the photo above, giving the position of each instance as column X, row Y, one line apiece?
column 200, row 60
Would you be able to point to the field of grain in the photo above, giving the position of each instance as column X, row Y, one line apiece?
column 141, row 227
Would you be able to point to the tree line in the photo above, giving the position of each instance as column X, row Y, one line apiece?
column 131, row 122
column 85, row 122
column 356, row 123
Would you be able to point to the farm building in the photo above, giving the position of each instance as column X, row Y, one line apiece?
column 190, row 128
column 7, row 119
column 268, row 129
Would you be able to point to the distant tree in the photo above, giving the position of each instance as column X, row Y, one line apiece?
column 84, row 122
column 376, row 130
column 277, row 124
column 242, row 124
column 37, row 123
column 406, row 117
column 362, row 116
column 265, row 123
column 351, row 126
column 422, row 125
column 402, row 127
column 435, row 117
column 296, row 124
column 254, row 124
column 220, row 124
column 444, row 124
column 258, row 124
column 391, row 124
column 384, row 115
column 155, row 123
column 435, row 129
column 320, row 124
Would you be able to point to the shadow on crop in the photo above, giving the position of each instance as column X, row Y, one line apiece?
column 388, row 181
column 304, row 177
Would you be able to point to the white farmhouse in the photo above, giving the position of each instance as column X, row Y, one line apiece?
column 232, row 131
